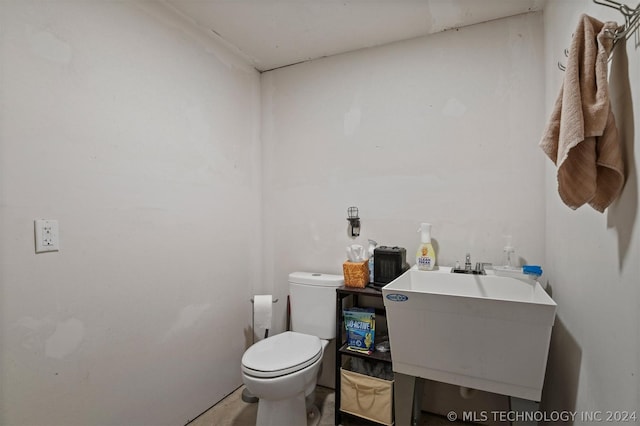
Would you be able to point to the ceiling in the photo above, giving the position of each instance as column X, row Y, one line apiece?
column 276, row 33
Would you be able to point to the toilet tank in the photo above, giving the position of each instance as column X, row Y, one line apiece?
column 313, row 303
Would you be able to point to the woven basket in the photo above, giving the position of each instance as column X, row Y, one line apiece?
column 366, row 396
column 356, row 274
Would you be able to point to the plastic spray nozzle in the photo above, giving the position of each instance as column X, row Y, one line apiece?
column 372, row 247
column 509, row 253
column 507, row 243
column 425, row 230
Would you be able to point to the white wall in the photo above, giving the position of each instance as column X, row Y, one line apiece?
column 592, row 258
column 141, row 137
column 441, row 129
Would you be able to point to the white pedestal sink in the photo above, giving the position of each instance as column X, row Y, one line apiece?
column 484, row 332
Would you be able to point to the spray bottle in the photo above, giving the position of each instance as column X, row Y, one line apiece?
column 426, row 255
column 372, row 248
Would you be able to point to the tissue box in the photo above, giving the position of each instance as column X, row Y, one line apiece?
column 356, row 274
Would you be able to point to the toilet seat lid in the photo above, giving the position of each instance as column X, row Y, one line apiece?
column 281, row 354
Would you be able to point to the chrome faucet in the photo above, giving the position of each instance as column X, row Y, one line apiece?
column 468, row 267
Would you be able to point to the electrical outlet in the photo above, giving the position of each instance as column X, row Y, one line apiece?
column 47, row 237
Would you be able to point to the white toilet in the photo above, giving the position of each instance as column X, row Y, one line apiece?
column 282, row 370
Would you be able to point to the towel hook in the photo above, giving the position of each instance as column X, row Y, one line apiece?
column 566, row 55
column 631, row 24
column 631, row 18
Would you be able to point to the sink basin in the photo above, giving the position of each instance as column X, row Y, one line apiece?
column 484, row 332
column 468, row 271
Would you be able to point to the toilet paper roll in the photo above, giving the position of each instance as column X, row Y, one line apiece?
column 262, row 314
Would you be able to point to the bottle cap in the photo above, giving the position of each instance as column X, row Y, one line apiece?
column 507, row 246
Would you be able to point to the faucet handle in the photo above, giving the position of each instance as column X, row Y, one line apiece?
column 481, row 267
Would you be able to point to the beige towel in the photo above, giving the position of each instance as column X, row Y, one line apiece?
column 581, row 137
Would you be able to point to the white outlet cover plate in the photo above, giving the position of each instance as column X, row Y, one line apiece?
column 47, row 235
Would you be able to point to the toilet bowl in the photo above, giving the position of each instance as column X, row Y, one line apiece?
column 282, row 370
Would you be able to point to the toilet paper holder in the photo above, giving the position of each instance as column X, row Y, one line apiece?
column 274, row 300
column 266, row 332
column 247, row 396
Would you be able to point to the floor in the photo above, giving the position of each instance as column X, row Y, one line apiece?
column 233, row 411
